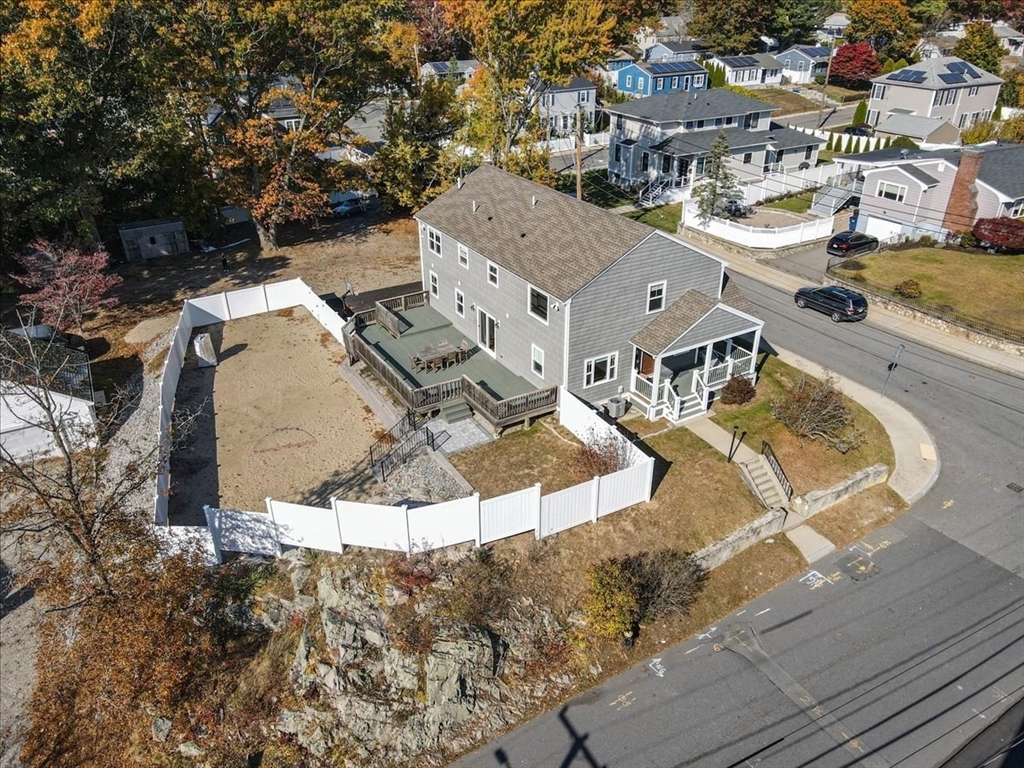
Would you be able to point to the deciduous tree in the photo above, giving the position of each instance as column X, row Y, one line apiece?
column 718, row 184
column 855, row 64
column 731, row 27
column 885, row 24
column 1004, row 233
column 69, row 282
column 980, row 47
column 794, row 21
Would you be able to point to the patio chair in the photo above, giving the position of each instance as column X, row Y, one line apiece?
column 417, row 363
column 452, row 358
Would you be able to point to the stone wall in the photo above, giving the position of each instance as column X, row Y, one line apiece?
column 760, row 254
column 722, row 550
column 814, row 502
column 932, row 321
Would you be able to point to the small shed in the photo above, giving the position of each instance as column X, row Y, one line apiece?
column 144, row 240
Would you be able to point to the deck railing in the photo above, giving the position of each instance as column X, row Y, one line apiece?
column 643, row 387
column 406, row 301
column 386, row 318
column 500, row 413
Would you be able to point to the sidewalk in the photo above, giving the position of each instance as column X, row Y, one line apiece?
column 899, row 325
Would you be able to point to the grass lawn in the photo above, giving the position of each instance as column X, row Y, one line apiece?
column 826, row 156
column 810, row 465
column 596, row 189
column 787, row 101
column 664, row 217
column 799, row 204
column 540, row 454
column 980, row 285
column 839, row 93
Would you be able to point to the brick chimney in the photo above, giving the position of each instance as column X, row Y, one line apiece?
column 962, row 208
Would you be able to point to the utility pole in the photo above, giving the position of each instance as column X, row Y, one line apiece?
column 828, row 72
column 579, row 151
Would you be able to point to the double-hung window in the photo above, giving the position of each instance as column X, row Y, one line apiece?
column 808, row 152
column 895, row 192
column 460, row 303
column 463, row 256
column 538, row 305
column 972, row 91
column 537, row 360
column 629, row 81
column 434, row 290
column 433, row 241
column 655, row 297
column 1018, row 209
column 666, row 163
column 877, row 91
column 492, row 273
column 748, row 158
column 618, row 153
column 675, row 83
column 598, row 370
column 645, row 161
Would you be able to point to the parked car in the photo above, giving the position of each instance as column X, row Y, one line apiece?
column 739, row 209
column 861, row 129
column 355, row 205
column 839, row 303
column 851, row 243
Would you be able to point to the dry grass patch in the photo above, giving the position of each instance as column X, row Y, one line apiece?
column 810, row 465
column 641, row 426
column 980, row 285
column 788, row 102
column 541, row 454
column 851, row 520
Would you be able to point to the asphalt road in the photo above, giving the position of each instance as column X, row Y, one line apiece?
column 912, row 643
column 593, row 157
column 841, row 116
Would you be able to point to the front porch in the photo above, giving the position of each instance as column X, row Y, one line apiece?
column 690, row 351
column 388, row 337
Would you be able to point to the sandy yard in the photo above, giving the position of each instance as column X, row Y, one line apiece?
column 278, row 419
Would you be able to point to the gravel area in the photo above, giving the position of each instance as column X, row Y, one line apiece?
column 422, row 480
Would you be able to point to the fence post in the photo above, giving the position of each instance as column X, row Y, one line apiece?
column 536, row 497
column 337, row 522
column 650, row 477
column 408, row 532
column 595, row 497
column 214, row 529
column 479, row 522
column 277, row 533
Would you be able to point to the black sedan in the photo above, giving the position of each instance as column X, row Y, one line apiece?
column 851, row 243
column 839, row 303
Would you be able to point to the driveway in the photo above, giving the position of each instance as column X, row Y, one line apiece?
column 593, row 157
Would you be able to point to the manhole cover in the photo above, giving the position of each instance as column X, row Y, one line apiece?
column 1015, row 488
column 857, row 567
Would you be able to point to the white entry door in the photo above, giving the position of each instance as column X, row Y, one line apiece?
column 485, row 330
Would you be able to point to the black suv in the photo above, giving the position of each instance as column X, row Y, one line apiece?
column 840, row 303
column 851, row 243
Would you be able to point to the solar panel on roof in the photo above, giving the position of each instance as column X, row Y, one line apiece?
column 952, row 78
column 957, row 66
column 664, row 68
column 971, row 71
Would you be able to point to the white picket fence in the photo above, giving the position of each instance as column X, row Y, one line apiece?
column 219, row 308
column 397, row 528
column 787, row 182
column 567, row 144
column 867, row 143
column 761, row 237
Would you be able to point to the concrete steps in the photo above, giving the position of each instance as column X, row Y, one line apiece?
column 768, row 489
column 456, row 410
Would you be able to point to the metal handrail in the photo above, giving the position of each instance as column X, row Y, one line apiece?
column 776, row 467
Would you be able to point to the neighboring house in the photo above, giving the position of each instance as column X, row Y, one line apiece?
column 946, row 87
column 833, row 28
column 63, row 387
column 687, row 50
column 464, row 69
column 934, row 192
column 670, row 29
column 802, row 63
column 752, row 71
column 563, row 293
column 641, row 79
column 1009, row 38
column 559, row 105
column 144, row 240
column 609, row 70
column 923, row 130
column 664, row 140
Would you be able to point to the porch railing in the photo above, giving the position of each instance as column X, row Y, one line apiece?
column 701, row 390
column 673, row 402
column 741, row 361
column 718, row 374
column 643, row 387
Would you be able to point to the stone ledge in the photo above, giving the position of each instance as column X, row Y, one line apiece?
column 817, row 501
column 759, row 254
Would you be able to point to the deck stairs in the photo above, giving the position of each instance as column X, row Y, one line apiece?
column 767, row 488
column 456, row 410
column 650, row 194
column 831, row 197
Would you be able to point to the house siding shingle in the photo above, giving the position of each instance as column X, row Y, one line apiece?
column 608, row 312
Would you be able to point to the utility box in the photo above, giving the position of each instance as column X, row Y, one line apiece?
column 616, row 407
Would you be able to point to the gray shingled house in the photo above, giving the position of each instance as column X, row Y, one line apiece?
column 548, row 291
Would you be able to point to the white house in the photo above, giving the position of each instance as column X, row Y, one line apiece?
column 39, row 378
column 753, row 71
column 802, row 63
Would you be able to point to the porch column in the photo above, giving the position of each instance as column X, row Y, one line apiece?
column 753, row 356
column 709, row 356
column 655, row 383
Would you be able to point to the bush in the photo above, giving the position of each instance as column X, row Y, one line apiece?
column 611, row 601
column 737, row 390
column 599, row 456
column 927, row 242
column 479, row 592
column 815, row 409
column 909, row 289
column 1004, row 233
column 668, row 581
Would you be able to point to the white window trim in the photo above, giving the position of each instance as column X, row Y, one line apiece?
column 534, row 349
column 529, row 303
column 613, row 368
column 433, row 233
column 1018, row 209
column 463, row 256
column 664, row 290
column 435, row 285
column 460, row 299
column 492, row 271
column 629, row 81
column 900, row 196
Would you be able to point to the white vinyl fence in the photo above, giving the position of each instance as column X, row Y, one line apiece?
column 780, row 183
column 762, row 237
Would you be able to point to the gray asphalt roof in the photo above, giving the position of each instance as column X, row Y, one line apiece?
column 931, row 69
column 694, row 142
column 576, row 84
column 461, row 66
column 817, row 53
column 738, row 61
column 558, row 245
column 685, row 47
column 768, row 61
column 698, row 105
column 914, row 126
column 914, row 172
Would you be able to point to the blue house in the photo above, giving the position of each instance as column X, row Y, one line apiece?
column 654, row 78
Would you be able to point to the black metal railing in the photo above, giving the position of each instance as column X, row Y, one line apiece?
column 776, row 467
column 410, row 422
column 402, row 451
column 845, row 271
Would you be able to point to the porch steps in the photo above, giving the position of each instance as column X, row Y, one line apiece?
column 651, row 193
column 767, row 487
column 456, row 410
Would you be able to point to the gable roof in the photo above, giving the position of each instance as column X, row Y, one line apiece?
column 918, row 175
column 738, row 62
column 558, row 244
column 692, row 142
column 655, row 68
column 816, row 53
column 687, row 46
column 62, row 369
column 940, row 72
column 1006, row 31
column 914, row 126
column 689, row 105
column 462, row 66
column 575, row 84
column 681, row 321
column 767, row 61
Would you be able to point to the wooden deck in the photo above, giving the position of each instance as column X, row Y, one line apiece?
column 425, row 326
